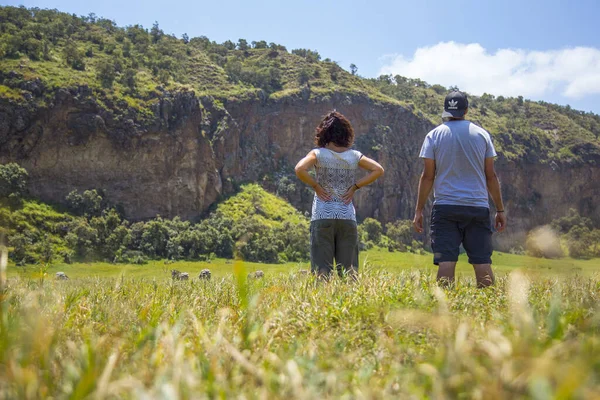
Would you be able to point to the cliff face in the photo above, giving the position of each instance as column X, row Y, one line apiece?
column 274, row 136
column 166, row 167
column 183, row 157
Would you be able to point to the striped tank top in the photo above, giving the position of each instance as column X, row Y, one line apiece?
column 336, row 172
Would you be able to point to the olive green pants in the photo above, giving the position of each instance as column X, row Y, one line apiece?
column 334, row 239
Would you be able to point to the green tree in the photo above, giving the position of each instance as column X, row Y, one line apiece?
column 33, row 48
column 242, row 44
column 229, row 45
column 82, row 238
column 73, row 56
column 261, row 44
column 311, row 56
column 304, row 75
column 571, row 220
column 154, row 238
column 439, row 89
column 164, row 76
column 156, row 33
column 127, row 47
column 401, row 233
column 234, row 69
column 520, row 100
column 373, row 229
column 89, row 203
column 353, row 69
column 13, row 181
column 106, row 73
column 22, row 248
column 128, row 78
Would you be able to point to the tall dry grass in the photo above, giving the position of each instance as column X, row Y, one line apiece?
column 387, row 335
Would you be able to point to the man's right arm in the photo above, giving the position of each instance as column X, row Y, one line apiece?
column 425, row 185
column 493, row 186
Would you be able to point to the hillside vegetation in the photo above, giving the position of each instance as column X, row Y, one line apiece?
column 129, row 68
column 253, row 225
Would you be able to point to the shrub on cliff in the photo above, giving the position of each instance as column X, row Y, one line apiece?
column 73, row 56
column 583, row 242
column 401, row 233
column 90, row 202
column 373, row 230
column 13, row 181
column 571, row 220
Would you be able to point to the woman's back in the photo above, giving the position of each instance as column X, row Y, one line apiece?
column 336, row 172
column 333, row 230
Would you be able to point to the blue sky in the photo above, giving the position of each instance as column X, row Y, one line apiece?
column 547, row 50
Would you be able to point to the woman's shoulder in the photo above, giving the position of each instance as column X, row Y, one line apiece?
column 357, row 154
column 348, row 155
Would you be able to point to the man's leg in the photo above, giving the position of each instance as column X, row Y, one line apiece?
column 484, row 275
column 445, row 242
column 477, row 242
column 445, row 275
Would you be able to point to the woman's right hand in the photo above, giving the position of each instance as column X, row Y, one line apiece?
column 322, row 193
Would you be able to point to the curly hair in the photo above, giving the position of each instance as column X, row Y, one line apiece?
column 336, row 129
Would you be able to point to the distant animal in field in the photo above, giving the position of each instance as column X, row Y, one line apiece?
column 61, row 276
column 256, row 275
column 300, row 274
column 179, row 276
column 204, row 275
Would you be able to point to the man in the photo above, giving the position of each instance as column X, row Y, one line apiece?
column 459, row 165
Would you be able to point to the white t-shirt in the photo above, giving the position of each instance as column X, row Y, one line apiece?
column 336, row 172
column 459, row 149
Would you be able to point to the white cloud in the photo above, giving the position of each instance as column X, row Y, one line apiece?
column 573, row 72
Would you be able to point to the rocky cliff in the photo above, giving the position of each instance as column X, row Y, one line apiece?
column 164, row 167
column 185, row 155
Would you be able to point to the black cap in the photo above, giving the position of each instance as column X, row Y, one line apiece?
column 455, row 105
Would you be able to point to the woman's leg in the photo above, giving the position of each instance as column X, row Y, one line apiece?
column 322, row 247
column 346, row 247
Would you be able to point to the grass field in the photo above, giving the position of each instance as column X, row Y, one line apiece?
column 378, row 259
column 130, row 332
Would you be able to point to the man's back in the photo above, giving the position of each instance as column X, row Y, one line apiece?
column 459, row 149
column 459, row 166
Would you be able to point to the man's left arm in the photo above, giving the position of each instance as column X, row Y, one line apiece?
column 425, row 186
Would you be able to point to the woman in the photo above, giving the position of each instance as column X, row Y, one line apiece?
column 333, row 232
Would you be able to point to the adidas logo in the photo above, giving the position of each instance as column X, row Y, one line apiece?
column 452, row 105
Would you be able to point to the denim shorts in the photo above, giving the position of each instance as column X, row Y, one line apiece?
column 452, row 225
column 333, row 239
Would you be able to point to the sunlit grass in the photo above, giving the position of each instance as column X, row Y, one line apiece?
column 376, row 259
column 391, row 334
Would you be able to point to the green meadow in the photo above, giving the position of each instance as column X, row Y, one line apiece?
column 374, row 259
column 129, row 331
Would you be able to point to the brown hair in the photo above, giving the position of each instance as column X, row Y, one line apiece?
column 336, row 129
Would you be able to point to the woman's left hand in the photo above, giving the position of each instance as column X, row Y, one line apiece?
column 347, row 197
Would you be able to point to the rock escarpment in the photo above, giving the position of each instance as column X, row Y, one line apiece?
column 165, row 166
column 187, row 152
